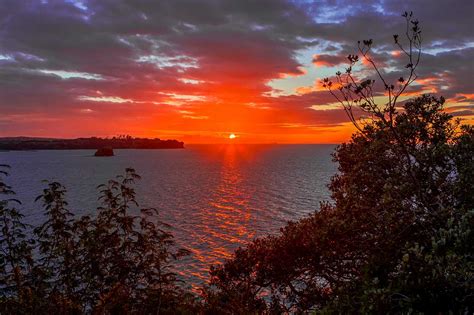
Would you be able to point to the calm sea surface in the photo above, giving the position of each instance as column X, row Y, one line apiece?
column 216, row 197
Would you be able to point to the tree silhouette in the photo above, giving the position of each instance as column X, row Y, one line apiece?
column 115, row 262
column 396, row 237
column 352, row 92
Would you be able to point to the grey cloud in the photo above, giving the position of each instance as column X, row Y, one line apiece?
column 228, row 39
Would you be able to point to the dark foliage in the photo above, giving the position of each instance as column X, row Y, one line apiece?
column 397, row 239
column 113, row 263
column 398, row 236
column 15, row 249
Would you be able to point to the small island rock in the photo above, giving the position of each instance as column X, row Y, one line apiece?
column 104, row 152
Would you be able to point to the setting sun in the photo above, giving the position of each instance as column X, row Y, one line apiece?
column 232, row 136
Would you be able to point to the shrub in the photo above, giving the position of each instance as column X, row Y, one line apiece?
column 397, row 237
column 115, row 262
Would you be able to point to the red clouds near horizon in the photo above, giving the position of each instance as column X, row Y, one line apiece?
column 198, row 72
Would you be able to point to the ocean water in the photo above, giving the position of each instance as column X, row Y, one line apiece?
column 215, row 197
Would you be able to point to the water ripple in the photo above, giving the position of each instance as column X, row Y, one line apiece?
column 217, row 198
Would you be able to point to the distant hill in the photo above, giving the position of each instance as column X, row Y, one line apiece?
column 22, row 138
column 94, row 143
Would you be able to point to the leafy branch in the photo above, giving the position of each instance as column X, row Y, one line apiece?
column 353, row 93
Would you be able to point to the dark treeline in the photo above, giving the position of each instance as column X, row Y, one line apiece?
column 121, row 142
column 397, row 237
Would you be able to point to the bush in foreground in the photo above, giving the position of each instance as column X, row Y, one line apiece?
column 112, row 263
column 397, row 237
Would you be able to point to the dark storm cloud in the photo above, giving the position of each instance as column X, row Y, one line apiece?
column 137, row 49
column 107, row 37
column 448, row 22
column 455, row 66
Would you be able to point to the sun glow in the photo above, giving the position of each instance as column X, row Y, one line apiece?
column 232, row 136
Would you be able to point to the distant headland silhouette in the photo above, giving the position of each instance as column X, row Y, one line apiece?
column 92, row 143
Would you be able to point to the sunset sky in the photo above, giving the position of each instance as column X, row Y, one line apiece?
column 199, row 71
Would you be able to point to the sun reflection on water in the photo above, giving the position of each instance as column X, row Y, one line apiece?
column 226, row 218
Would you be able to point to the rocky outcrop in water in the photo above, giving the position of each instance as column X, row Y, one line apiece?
column 104, row 152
